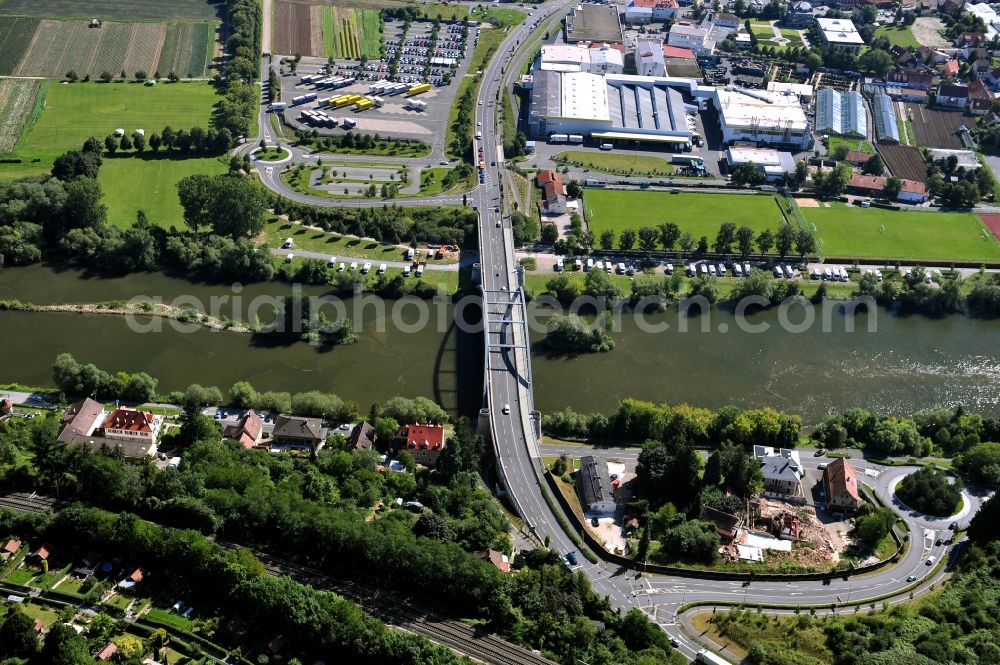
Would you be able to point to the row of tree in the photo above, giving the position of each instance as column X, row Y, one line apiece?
column 195, row 140
column 728, row 240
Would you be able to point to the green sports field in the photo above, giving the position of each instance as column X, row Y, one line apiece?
column 698, row 214
column 72, row 112
column 149, row 183
column 849, row 231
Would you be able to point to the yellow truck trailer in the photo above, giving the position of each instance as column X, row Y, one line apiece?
column 418, row 88
column 363, row 104
column 346, row 100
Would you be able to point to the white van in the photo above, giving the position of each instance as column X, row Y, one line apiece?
column 711, row 269
column 406, row 271
column 607, row 146
column 381, row 268
column 366, row 268
column 287, row 243
column 289, row 257
column 722, row 269
column 590, row 265
column 778, row 272
column 354, row 265
column 332, row 262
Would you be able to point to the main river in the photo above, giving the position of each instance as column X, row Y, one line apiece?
column 906, row 364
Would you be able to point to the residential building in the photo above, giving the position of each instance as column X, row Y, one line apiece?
column 841, row 113
column 649, row 58
column 782, row 475
column 912, row 78
column 38, row 556
column 912, row 191
column 840, row 482
column 990, row 19
column 594, row 486
column 867, row 185
column 424, row 442
column 124, row 424
column 690, row 37
column 952, row 96
column 249, row 431
column 640, row 12
column 81, row 419
column 857, row 157
column 949, row 69
column 799, row 15
column 554, row 193
column 772, row 163
column 107, row 652
column 9, row 549
column 761, row 117
column 906, row 94
column 362, row 437
column 499, row 560
column 840, row 33
column 593, row 23
column 727, row 21
column 298, row 432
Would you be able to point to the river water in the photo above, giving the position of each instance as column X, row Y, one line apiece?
column 906, row 364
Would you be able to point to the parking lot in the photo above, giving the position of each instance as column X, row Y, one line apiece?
column 413, row 54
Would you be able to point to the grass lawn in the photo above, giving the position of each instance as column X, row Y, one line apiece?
column 70, row 585
column 850, row 231
column 277, row 230
column 72, row 112
column 794, row 36
column 898, row 35
column 852, row 144
column 45, row 614
column 697, row 214
column 371, row 34
column 170, row 619
column 271, row 154
column 448, row 280
column 20, row 576
column 432, row 182
column 610, row 162
column 762, row 30
column 156, row 180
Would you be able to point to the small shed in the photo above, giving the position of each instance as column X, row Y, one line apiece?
column 95, row 23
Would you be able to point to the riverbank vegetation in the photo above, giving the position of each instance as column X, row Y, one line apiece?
column 334, row 511
column 570, row 334
column 954, row 624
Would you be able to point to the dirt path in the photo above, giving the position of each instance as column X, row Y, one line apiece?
column 265, row 39
column 927, row 31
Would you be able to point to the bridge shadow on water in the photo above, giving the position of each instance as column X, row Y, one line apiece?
column 458, row 365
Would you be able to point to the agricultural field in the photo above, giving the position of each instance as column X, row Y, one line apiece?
column 937, row 129
column 852, row 232
column 187, row 49
column 72, row 112
column 138, row 10
column 16, row 34
column 17, row 105
column 905, row 161
column 697, row 214
column 155, row 177
column 327, row 31
column 52, row 48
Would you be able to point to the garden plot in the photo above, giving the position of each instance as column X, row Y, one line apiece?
column 187, row 49
column 17, row 100
column 292, row 31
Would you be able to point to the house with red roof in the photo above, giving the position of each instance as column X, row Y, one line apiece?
column 840, row 482
column 248, row 431
column 912, row 191
column 80, row 420
column 554, row 193
column 499, row 560
column 124, row 424
column 107, row 652
column 677, row 52
column 424, row 442
column 9, row 549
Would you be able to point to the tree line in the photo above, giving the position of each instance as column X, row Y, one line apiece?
column 196, row 140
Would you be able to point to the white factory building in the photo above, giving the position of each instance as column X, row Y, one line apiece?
column 613, row 107
column 840, row 33
column 764, row 118
column 569, row 58
column 773, row 164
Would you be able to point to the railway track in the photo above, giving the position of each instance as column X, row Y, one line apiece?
column 26, row 503
column 405, row 615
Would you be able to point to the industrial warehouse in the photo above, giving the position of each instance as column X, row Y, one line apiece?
column 660, row 109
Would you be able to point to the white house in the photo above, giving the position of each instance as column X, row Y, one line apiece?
column 640, row 12
column 840, row 33
column 688, row 36
column 649, row 58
